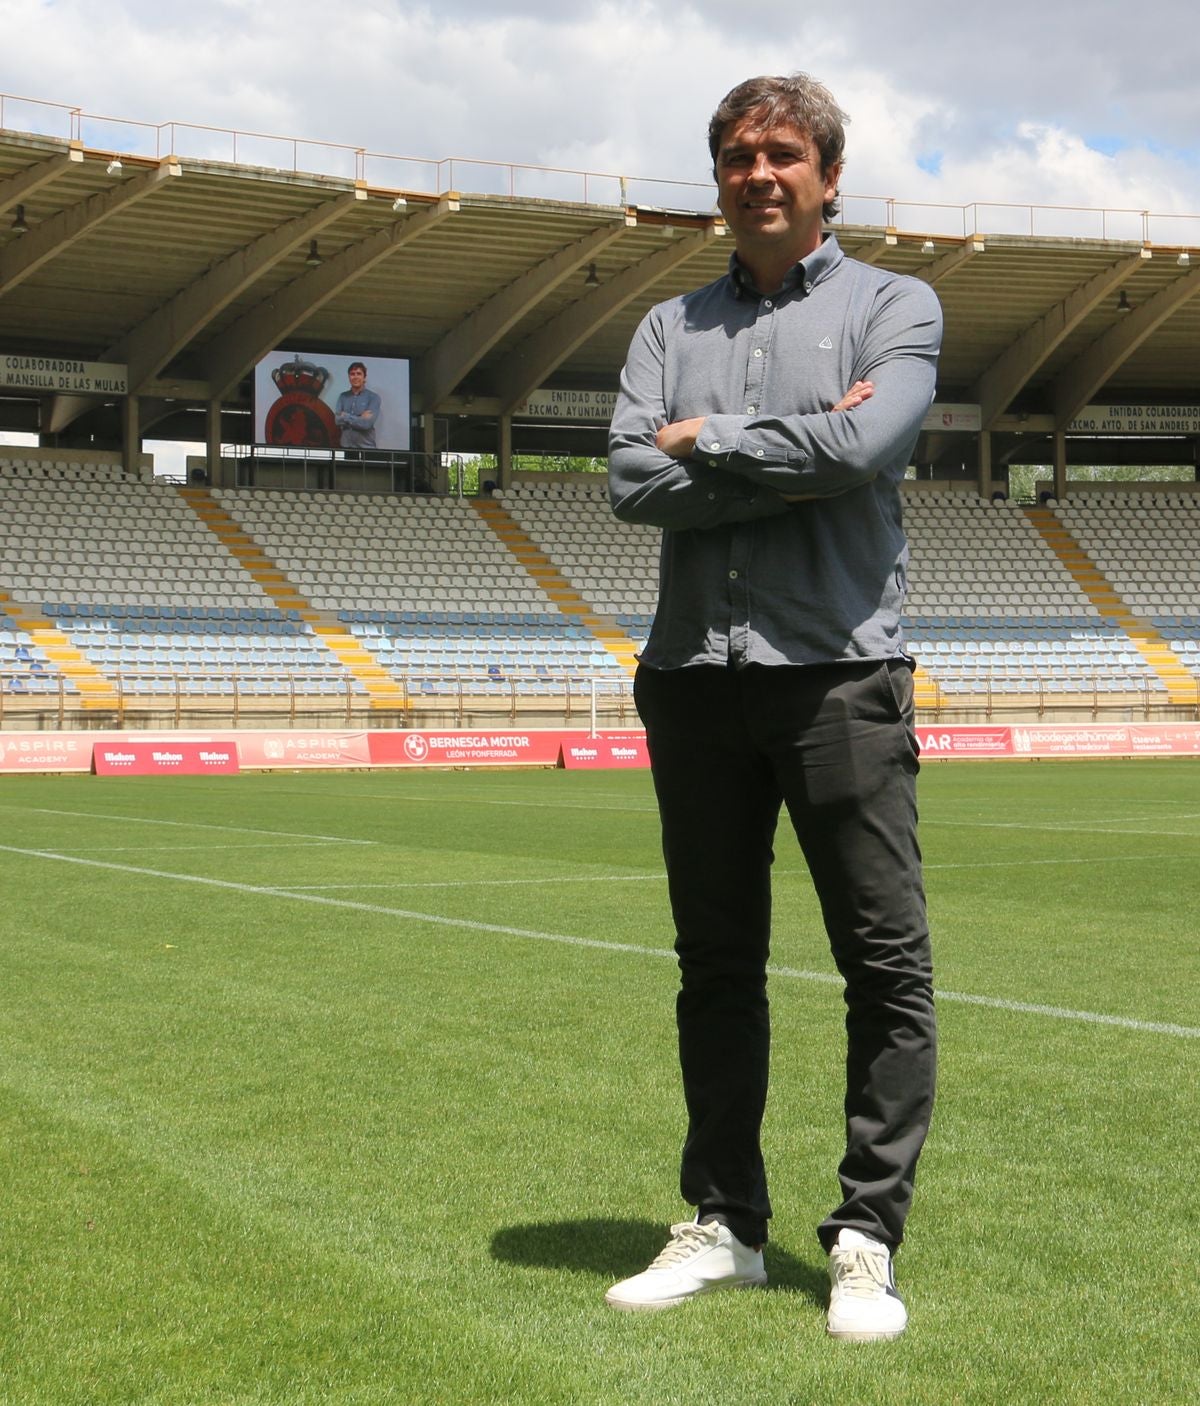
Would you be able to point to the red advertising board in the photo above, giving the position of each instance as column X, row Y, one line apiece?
column 304, row 749
column 171, row 758
column 465, row 748
column 964, row 741
column 30, row 752
column 45, row 751
column 604, row 752
column 1165, row 739
column 1060, row 740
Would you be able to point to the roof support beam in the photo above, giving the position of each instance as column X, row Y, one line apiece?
column 873, row 252
column 25, row 183
column 1084, row 377
column 229, row 356
column 942, row 268
column 548, row 348
column 154, row 343
column 26, row 255
column 1002, row 381
column 462, row 348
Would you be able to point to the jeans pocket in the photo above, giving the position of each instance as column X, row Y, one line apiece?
column 898, row 681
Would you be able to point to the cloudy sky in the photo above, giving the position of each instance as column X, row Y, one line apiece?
column 1026, row 102
column 1029, row 102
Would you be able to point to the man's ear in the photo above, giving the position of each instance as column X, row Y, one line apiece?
column 832, row 175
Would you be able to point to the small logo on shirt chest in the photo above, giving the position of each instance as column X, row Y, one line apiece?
column 825, row 344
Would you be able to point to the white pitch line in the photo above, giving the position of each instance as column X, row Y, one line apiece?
column 184, row 824
column 206, row 849
column 426, row 798
column 1031, row 863
column 998, row 1003
column 484, row 883
column 470, row 925
column 1106, row 827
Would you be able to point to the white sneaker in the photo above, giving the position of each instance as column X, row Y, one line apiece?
column 697, row 1259
column 863, row 1305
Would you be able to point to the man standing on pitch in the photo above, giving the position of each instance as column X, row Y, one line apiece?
column 764, row 423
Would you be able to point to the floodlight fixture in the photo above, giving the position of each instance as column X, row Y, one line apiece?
column 313, row 259
column 114, row 167
column 18, row 225
column 399, row 204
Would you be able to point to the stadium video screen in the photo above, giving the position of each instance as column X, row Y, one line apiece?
column 317, row 400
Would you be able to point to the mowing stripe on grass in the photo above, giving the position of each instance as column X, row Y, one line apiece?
column 1110, row 825
column 470, row 925
column 779, row 873
column 184, row 824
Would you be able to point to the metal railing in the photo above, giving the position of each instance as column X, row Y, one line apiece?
column 994, row 697
column 169, row 697
column 344, row 470
column 118, row 136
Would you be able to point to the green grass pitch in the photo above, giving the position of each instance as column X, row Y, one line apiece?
column 359, row 1088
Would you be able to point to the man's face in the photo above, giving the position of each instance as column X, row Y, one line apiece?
column 358, row 379
column 771, row 188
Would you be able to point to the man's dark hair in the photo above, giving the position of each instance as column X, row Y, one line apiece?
column 799, row 101
column 356, row 366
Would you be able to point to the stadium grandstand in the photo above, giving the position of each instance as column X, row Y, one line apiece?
column 148, row 275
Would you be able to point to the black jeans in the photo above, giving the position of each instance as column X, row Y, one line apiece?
column 835, row 744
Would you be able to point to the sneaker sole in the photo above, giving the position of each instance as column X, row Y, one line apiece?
column 864, row 1335
column 656, row 1305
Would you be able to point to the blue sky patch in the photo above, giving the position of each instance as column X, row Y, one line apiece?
column 1106, row 143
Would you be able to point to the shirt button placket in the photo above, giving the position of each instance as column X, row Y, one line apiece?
column 756, row 366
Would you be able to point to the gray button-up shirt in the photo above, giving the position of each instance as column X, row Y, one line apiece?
column 746, row 577
column 360, row 418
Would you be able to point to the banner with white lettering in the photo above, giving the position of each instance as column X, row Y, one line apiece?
column 129, row 754
column 465, row 748
column 1059, row 740
column 165, row 758
column 605, row 753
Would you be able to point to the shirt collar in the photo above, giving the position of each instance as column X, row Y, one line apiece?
column 820, row 262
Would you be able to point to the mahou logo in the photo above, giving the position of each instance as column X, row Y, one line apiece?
column 416, row 749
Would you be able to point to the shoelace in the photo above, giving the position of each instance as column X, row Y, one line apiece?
column 686, row 1239
column 861, row 1272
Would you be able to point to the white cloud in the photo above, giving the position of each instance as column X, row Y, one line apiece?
column 984, row 106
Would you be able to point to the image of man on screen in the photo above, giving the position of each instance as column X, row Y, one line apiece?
column 358, row 410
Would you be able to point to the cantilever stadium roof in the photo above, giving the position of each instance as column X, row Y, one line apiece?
column 189, row 270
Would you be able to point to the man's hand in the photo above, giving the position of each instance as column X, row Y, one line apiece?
column 679, row 438
column 858, row 392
